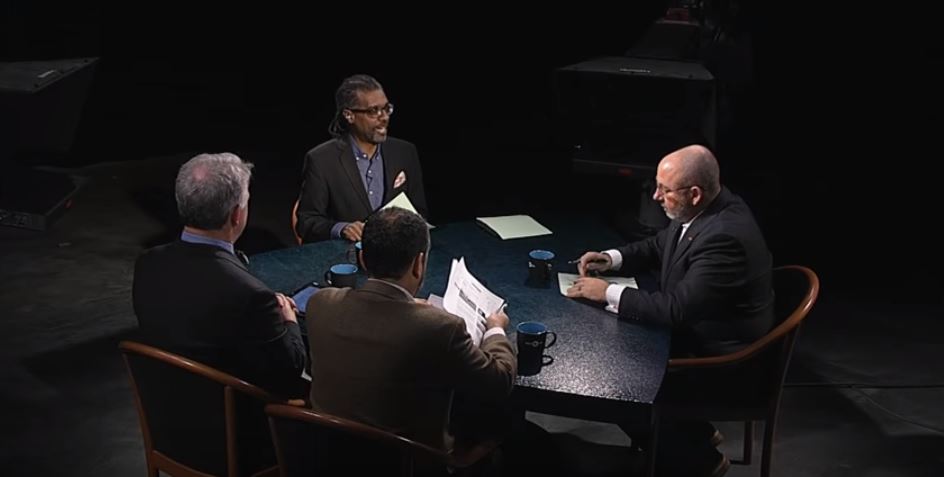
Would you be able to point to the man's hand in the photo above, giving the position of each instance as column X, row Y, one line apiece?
column 353, row 231
column 594, row 262
column 498, row 319
column 287, row 308
column 593, row 289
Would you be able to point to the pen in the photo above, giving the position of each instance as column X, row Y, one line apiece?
column 598, row 260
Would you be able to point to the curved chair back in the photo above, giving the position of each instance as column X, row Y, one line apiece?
column 795, row 289
column 313, row 443
column 308, row 442
column 298, row 238
column 730, row 383
column 196, row 420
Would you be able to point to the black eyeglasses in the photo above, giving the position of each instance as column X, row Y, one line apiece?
column 663, row 190
column 376, row 111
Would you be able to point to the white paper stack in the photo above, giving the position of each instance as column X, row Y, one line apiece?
column 468, row 299
column 514, row 226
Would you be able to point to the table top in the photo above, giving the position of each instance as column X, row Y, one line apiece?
column 596, row 357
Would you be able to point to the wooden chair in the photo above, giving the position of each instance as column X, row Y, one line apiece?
column 198, row 421
column 746, row 385
column 298, row 238
column 315, row 443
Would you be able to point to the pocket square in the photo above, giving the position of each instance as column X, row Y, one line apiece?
column 401, row 178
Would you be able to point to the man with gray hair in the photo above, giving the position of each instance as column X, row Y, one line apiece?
column 196, row 298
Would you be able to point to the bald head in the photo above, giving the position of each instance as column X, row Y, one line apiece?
column 694, row 165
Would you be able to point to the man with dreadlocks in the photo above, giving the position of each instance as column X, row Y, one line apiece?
column 350, row 176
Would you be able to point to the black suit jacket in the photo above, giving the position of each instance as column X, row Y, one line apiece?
column 201, row 302
column 715, row 284
column 333, row 190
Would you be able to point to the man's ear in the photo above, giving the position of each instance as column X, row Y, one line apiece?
column 234, row 216
column 419, row 265
column 698, row 195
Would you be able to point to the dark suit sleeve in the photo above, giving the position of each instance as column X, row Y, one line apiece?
column 716, row 270
column 314, row 223
column 644, row 255
column 281, row 352
column 414, row 185
column 487, row 372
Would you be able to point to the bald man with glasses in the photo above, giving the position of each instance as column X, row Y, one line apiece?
column 715, row 289
column 362, row 168
column 713, row 263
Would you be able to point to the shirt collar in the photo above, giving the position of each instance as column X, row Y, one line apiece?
column 202, row 239
column 686, row 224
column 358, row 153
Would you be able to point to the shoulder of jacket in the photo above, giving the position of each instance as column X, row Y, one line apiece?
column 328, row 148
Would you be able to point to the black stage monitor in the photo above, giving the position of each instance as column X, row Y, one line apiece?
column 41, row 103
column 620, row 115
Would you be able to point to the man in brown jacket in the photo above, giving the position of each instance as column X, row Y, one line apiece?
column 382, row 358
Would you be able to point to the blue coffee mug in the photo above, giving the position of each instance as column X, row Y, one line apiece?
column 539, row 264
column 532, row 341
column 342, row 275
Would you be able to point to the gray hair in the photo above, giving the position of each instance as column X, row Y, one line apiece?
column 209, row 187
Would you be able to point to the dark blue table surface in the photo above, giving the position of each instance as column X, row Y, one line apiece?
column 596, row 356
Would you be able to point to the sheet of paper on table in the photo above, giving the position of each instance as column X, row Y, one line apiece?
column 514, row 226
column 566, row 280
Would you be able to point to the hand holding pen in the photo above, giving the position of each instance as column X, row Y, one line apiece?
column 592, row 262
column 497, row 319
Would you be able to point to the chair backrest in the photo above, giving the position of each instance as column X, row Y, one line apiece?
column 298, row 238
column 747, row 384
column 795, row 290
column 197, row 420
column 314, row 443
